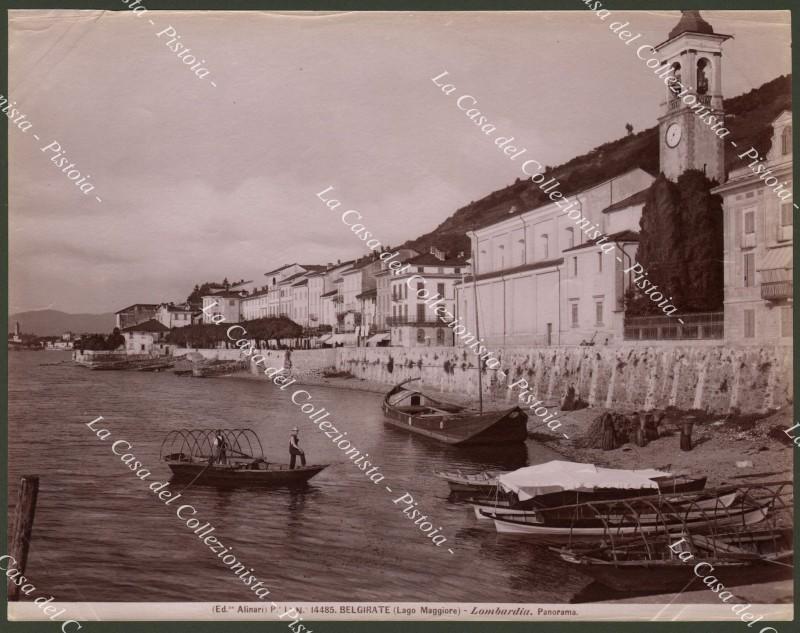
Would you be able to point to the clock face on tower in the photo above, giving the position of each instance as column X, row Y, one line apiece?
column 673, row 135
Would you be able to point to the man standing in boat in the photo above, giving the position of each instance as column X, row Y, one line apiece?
column 295, row 450
column 220, row 446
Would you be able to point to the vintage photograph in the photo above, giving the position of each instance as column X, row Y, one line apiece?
column 401, row 316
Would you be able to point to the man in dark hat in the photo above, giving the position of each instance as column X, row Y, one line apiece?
column 295, row 450
column 220, row 446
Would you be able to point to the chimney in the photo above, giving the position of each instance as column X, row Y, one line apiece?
column 437, row 253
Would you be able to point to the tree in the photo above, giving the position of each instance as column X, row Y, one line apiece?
column 207, row 335
column 629, row 129
column 196, row 296
column 115, row 340
column 681, row 245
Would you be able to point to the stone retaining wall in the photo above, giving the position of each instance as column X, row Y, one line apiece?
column 717, row 379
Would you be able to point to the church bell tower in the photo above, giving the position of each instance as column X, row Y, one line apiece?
column 687, row 141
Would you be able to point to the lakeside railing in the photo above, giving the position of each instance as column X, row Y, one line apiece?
column 699, row 326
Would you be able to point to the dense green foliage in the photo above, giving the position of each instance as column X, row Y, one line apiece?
column 681, row 245
column 209, row 335
column 100, row 342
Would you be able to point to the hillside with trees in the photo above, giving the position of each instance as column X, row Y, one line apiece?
column 748, row 116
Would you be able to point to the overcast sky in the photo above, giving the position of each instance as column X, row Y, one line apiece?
column 201, row 182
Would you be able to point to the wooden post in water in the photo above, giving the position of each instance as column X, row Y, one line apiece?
column 20, row 534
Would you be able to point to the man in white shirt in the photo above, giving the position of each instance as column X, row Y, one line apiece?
column 295, row 450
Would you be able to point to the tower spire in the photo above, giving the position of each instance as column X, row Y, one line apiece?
column 691, row 22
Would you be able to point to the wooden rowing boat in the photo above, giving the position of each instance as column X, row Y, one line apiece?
column 514, row 524
column 502, row 502
column 543, row 513
column 459, row 481
column 653, row 566
column 195, row 456
column 241, row 473
column 624, row 518
column 210, row 369
column 412, row 411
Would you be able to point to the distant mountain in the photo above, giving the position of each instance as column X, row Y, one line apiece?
column 55, row 322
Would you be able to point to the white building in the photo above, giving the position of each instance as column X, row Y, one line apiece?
column 255, row 304
column 541, row 281
column 226, row 303
column 171, row 315
column 758, row 245
column 414, row 323
column 146, row 338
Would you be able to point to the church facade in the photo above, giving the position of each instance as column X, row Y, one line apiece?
column 542, row 282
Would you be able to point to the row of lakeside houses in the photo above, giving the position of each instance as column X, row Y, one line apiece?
column 540, row 280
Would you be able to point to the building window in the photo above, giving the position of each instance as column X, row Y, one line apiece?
column 545, row 246
column 749, row 270
column 575, row 266
column 786, row 140
column 749, row 222
column 421, row 312
column 598, row 306
column 786, row 322
column 440, row 290
column 570, row 237
column 441, row 270
column 420, row 335
column 575, row 315
column 786, row 214
column 599, row 262
column 458, row 271
column 420, row 287
column 420, row 269
column 439, row 336
column 749, row 323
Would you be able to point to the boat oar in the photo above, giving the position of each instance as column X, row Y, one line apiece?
column 210, row 463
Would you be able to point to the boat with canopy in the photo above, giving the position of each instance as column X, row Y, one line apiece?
column 560, row 483
column 228, row 458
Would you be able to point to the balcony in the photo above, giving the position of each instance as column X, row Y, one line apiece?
column 428, row 321
column 776, row 290
column 675, row 103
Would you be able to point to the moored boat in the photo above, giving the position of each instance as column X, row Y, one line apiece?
column 562, row 483
column 415, row 412
column 214, row 368
column 459, row 481
column 228, row 458
column 602, row 520
column 654, row 565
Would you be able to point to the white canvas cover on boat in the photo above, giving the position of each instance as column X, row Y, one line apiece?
column 557, row 476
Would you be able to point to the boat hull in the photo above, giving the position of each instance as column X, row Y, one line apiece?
column 484, row 481
column 275, row 475
column 674, row 575
column 497, row 427
column 214, row 369
column 485, row 507
column 647, row 524
column 485, row 511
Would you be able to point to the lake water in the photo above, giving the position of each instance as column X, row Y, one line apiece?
column 101, row 535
